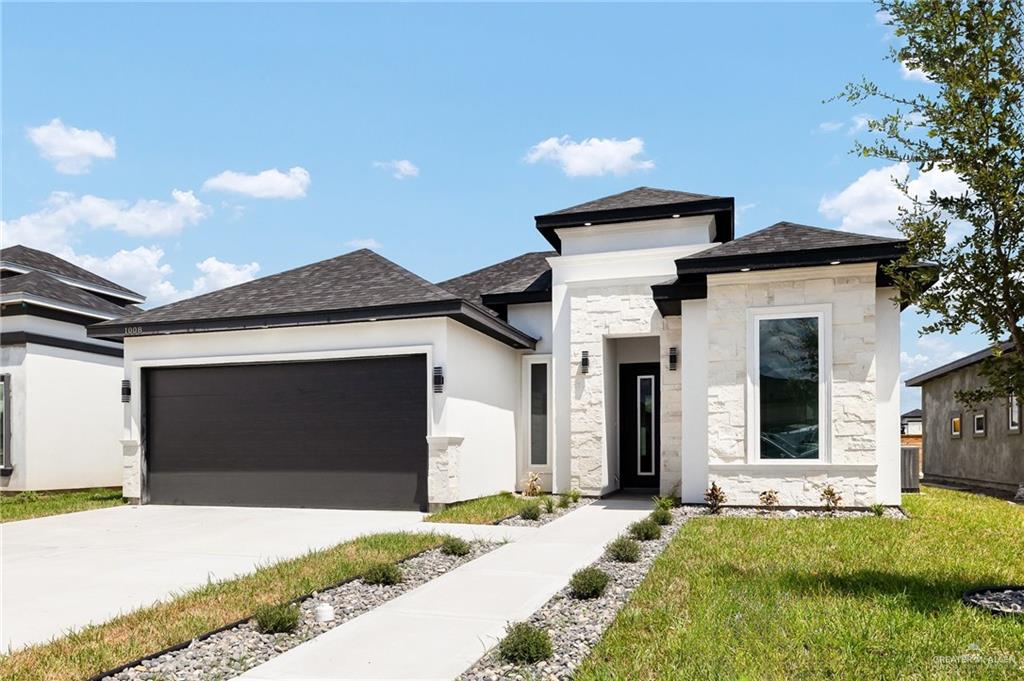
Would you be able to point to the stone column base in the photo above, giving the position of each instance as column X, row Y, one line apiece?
column 443, row 469
column 131, row 473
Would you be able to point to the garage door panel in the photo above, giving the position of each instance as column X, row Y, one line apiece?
column 339, row 434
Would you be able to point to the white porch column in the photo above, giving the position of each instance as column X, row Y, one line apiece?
column 693, row 367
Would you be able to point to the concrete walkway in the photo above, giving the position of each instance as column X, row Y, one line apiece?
column 441, row 628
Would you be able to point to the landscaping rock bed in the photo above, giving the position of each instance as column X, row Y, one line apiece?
column 229, row 653
column 575, row 626
column 893, row 512
column 545, row 518
column 1002, row 600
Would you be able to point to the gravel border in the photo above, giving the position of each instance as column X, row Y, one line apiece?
column 998, row 600
column 575, row 626
column 893, row 512
column 545, row 518
column 227, row 654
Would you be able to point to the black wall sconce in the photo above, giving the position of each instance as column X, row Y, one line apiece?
column 585, row 362
column 438, row 379
column 673, row 359
column 126, row 391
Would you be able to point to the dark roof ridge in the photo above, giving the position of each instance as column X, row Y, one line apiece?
column 34, row 259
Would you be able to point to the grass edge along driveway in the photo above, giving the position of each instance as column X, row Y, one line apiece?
column 97, row 648
column 858, row 598
column 481, row 511
column 27, row 505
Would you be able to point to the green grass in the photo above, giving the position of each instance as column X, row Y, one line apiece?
column 857, row 598
column 481, row 511
column 38, row 504
column 148, row 630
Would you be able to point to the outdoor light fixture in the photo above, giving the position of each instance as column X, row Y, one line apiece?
column 673, row 359
column 126, row 391
column 438, row 379
column 585, row 362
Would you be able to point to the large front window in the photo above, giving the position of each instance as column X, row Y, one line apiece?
column 790, row 391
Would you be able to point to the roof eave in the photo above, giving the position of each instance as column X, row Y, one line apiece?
column 722, row 208
column 938, row 372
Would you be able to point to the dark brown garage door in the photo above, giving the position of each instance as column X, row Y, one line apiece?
column 337, row 434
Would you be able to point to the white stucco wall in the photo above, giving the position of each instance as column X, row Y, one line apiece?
column 12, row 362
column 471, row 426
column 641, row 235
column 848, row 292
column 535, row 320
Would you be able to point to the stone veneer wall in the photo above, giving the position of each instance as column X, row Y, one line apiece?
column 850, row 290
column 615, row 310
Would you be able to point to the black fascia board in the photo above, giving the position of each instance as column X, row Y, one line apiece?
column 22, row 337
column 467, row 313
column 668, row 296
column 516, row 297
column 784, row 259
column 722, row 208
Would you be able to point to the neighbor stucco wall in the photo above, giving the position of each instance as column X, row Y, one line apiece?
column 995, row 460
column 848, row 293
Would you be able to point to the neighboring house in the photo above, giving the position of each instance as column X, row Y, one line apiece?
column 61, row 418
column 977, row 447
column 649, row 351
column 910, row 423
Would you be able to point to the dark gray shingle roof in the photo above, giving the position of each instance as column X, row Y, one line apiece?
column 974, row 358
column 45, row 286
column 34, row 259
column 359, row 279
column 785, row 237
column 634, row 198
column 510, row 276
column 912, row 414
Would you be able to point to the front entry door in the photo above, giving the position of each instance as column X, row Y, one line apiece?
column 639, row 426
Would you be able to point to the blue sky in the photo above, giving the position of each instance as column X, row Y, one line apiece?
column 486, row 107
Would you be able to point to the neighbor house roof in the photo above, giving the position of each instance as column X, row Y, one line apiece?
column 911, row 415
column 980, row 355
column 357, row 286
column 24, row 259
column 37, row 287
column 528, row 274
column 782, row 245
column 641, row 203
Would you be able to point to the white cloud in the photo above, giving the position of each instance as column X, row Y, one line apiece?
column 830, row 126
column 51, row 227
column 370, row 243
column 269, row 184
column 399, row 169
column 71, row 150
column 913, row 74
column 859, row 122
column 217, row 275
column 591, row 157
column 871, row 201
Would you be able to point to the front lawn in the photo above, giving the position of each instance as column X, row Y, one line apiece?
column 27, row 505
column 146, row 631
column 858, row 598
column 482, row 511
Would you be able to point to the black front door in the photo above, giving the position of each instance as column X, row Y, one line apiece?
column 639, row 426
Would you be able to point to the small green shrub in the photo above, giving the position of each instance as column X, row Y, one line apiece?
column 623, row 550
column 386, row 574
column 277, row 619
column 645, row 530
column 574, row 495
column 769, row 498
column 530, row 511
column 524, row 644
column 549, row 504
column 661, row 516
column 453, row 546
column 831, row 498
column 563, row 501
column 588, row 583
column 715, row 496
column 667, row 503
column 27, row 497
column 878, row 510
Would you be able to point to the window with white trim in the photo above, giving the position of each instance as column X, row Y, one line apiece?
column 980, row 423
column 954, row 425
column 1013, row 413
column 789, row 372
column 537, row 409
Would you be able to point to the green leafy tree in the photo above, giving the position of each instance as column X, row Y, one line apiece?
column 967, row 121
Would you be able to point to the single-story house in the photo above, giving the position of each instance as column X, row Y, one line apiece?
column 978, row 447
column 649, row 350
column 59, row 414
column 910, row 423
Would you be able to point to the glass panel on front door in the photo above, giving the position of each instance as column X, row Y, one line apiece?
column 645, row 425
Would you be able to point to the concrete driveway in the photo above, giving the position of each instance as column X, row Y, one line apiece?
column 63, row 572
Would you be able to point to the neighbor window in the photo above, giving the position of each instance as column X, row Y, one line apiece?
column 538, row 414
column 954, row 425
column 790, row 386
column 979, row 423
column 5, row 421
column 1013, row 414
